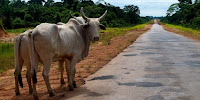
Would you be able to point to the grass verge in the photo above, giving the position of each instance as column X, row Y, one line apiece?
column 7, row 56
column 18, row 31
column 111, row 32
column 187, row 32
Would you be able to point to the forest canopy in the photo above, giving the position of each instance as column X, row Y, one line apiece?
column 18, row 13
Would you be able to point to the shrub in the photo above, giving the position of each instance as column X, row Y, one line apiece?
column 28, row 18
column 196, row 22
column 18, row 23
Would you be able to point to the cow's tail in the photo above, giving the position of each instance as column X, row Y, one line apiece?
column 18, row 68
column 33, row 56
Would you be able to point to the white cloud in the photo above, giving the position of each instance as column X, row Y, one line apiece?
column 147, row 7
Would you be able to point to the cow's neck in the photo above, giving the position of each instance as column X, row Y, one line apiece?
column 87, row 44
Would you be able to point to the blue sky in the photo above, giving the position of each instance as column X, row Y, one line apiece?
column 147, row 7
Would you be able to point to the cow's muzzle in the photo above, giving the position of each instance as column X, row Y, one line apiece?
column 96, row 38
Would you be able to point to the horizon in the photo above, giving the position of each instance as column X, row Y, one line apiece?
column 155, row 8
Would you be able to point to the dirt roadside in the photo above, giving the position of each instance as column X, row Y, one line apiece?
column 177, row 31
column 99, row 55
column 3, row 32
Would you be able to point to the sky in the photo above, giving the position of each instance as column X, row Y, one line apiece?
column 147, row 7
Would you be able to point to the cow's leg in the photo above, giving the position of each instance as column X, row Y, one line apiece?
column 73, row 76
column 61, row 67
column 45, row 74
column 34, row 68
column 17, row 73
column 70, row 70
column 35, row 95
column 28, row 77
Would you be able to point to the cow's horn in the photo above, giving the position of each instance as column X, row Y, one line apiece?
column 83, row 15
column 103, row 16
column 70, row 13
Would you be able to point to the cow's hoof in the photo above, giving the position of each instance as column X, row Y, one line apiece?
column 17, row 93
column 35, row 97
column 62, row 82
column 74, row 84
column 71, row 88
column 51, row 94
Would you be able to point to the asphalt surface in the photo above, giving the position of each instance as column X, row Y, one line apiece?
column 160, row 65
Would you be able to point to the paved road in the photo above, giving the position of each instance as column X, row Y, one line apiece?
column 159, row 66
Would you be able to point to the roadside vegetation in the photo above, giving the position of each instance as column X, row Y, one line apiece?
column 185, row 31
column 18, row 30
column 7, row 56
column 186, row 13
column 111, row 32
column 183, row 18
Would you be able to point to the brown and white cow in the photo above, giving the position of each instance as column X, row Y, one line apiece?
column 69, row 42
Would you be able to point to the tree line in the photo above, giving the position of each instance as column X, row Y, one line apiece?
column 18, row 14
column 185, row 13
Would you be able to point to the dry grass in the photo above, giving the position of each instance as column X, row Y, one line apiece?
column 187, row 32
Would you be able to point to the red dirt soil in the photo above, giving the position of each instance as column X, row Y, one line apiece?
column 3, row 33
column 99, row 55
column 177, row 31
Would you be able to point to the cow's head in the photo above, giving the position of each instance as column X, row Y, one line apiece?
column 92, row 25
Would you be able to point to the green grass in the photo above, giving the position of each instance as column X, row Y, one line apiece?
column 185, row 31
column 6, row 56
column 111, row 32
column 19, row 30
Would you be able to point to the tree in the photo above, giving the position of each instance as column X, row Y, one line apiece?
column 69, row 2
column 197, row 1
column 2, row 2
column 185, row 1
column 185, row 13
column 173, row 9
column 35, row 11
column 57, row 17
column 17, row 3
column 6, row 13
column 49, row 3
column 36, row 2
column 133, row 12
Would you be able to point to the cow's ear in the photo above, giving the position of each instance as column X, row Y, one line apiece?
column 102, row 27
column 85, row 26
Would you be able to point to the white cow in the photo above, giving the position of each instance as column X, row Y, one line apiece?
column 69, row 42
column 22, row 57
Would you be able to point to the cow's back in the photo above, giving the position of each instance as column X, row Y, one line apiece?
column 24, row 48
column 46, row 39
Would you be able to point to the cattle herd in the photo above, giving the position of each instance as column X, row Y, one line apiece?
column 68, row 43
